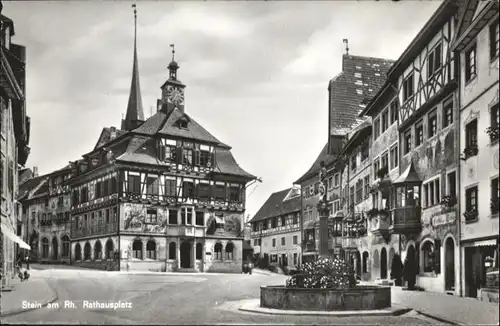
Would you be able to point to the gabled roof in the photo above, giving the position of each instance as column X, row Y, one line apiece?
column 105, row 136
column 315, row 168
column 141, row 147
column 226, row 164
column 275, row 206
column 29, row 185
column 24, row 174
column 193, row 131
column 350, row 91
column 360, row 132
column 446, row 10
column 475, row 16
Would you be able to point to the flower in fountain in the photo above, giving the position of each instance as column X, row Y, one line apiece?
column 325, row 273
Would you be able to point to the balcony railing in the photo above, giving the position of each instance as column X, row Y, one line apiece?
column 406, row 219
column 95, row 230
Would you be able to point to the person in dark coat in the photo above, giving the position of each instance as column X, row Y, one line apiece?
column 27, row 261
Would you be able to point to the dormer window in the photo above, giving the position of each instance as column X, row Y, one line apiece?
column 183, row 124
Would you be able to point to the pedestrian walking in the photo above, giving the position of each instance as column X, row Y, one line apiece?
column 27, row 261
column 19, row 262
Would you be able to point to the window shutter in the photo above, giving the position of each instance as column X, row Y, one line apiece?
column 197, row 157
column 178, row 154
column 212, row 159
column 242, row 194
column 196, row 190
column 161, row 151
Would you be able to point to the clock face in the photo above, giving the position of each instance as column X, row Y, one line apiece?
column 175, row 95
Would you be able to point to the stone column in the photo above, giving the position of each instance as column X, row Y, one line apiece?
column 323, row 229
column 193, row 254
column 178, row 256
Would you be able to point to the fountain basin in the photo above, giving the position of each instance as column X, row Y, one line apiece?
column 357, row 298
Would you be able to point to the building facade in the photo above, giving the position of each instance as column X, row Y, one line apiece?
column 357, row 201
column 309, row 185
column 416, row 179
column 46, row 205
column 384, row 168
column 161, row 194
column 477, row 44
column 276, row 228
column 14, row 149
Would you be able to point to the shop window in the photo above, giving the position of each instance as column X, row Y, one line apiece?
column 428, row 257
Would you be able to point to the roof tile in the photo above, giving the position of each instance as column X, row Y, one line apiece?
column 275, row 206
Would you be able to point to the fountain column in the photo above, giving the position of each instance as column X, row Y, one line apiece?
column 323, row 213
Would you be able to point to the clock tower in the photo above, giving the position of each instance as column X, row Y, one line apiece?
column 172, row 91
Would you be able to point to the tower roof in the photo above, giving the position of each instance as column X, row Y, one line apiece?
column 135, row 111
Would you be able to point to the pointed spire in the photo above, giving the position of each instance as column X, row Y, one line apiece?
column 135, row 112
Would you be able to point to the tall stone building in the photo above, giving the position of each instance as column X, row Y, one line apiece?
column 14, row 149
column 476, row 42
column 161, row 194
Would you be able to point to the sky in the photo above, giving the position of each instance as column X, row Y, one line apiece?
column 256, row 72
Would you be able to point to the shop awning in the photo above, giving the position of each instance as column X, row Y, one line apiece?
column 9, row 234
column 480, row 243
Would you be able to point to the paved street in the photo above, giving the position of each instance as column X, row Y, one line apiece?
column 170, row 299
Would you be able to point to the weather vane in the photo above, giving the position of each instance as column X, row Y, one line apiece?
column 173, row 51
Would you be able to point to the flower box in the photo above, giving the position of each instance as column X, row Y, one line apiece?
column 471, row 215
column 448, row 201
column 381, row 173
column 469, row 151
column 493, row 133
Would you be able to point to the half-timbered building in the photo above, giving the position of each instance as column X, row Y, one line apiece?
column 161, row 194
column 477, row 41
column 423, row 201
column 275, row 228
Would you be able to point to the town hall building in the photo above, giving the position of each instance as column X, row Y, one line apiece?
column 161, row 194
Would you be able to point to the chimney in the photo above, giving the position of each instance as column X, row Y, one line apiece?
column 35, row 171
column 112, row 133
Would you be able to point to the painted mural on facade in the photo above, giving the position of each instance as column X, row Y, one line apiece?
column 135, row 219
